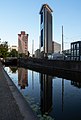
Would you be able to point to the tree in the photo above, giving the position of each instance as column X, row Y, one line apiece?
column 13, row 69
column 13, row 53
column 4, row 49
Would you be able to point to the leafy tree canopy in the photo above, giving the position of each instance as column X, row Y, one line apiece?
column 4, row 49
column 13, row 53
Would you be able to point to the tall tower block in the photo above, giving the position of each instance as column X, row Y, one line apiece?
column 46, row 29
column 23, row 43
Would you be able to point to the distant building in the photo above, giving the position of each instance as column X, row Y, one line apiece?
column 67, row 54
column 46, row 30
column 76, row 51
column 56, row 56
column 9, row 48
column 56, row 47
column 23, row 43
column 12, row 47
column 37, row 53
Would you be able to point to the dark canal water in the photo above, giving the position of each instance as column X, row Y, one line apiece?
column 49, row 96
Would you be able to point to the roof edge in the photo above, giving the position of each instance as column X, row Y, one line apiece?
column 45, row 6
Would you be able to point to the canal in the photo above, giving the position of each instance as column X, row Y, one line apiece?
column 50, row 97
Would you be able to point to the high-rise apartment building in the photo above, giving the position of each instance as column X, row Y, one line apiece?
column 23, row 43
column 46, row 29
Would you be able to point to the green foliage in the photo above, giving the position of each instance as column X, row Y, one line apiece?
column 23, row 55
column 4, row 49
column 13, row 53
column 13, row 69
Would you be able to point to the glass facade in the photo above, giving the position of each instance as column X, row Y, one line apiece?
column 76, row 50
column 72, row 46
column 41, row 17
column 42, row 38
column 72, row 52
column 77, row 45
column 45, row 30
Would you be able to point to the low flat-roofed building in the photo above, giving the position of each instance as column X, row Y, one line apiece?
column 56, row 47
column 37, row 53
column 14, row 47
column 67, row 54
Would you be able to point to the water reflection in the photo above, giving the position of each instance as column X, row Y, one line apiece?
column 32, row 80
column 22, row 78
column 13, row 69
column 46, row 93
column 50, row 96
column 76, row 84
column 62, row 94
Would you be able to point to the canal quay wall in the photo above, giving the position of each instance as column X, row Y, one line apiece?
column 50, row 65
column 13, row 106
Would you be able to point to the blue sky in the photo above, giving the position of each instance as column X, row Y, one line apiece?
column 18, row 15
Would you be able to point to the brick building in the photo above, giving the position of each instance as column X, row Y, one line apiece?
column 23, row 43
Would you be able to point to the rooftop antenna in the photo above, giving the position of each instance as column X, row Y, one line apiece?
column 62, row 40
column 62, row 78
column 32, row 47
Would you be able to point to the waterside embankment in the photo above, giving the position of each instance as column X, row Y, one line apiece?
column 13, row 106
column 50, row 65
column 60, row 68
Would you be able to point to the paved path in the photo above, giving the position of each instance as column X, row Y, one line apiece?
column 12, row 104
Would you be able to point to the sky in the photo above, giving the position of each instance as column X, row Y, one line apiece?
column 23, row 15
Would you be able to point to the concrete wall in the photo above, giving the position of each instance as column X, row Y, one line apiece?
column 74, row 66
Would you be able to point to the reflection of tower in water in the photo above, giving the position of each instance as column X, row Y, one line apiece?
column 62, row 94
column 22, row 78
column 46, row 93
column 32, row 80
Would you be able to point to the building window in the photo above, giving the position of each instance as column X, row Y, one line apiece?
column 80, row 58
column 41, row 37
column 77, row 52
column 74, row 52
column 71, row 58
column 77, row 58
column 77, row 45
column 72, row 46
column 41, row 18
